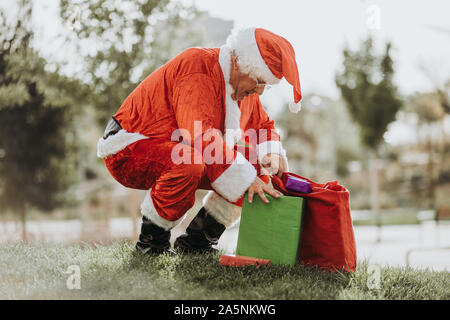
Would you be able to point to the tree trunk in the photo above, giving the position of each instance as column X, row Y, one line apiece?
column 430, row 171
column 374, row 190
column 23, row 218
column 443, row 152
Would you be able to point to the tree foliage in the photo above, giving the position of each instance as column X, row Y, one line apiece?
column 366, row 85
column 319, row 140
column 444, row 97
column 36, row 112
column 427, row 106
column 125, row 41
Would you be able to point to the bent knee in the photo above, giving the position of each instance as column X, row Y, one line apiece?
column 197, row 167
column 195, row 170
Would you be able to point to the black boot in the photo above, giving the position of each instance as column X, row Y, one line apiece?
column 201, row 234
column 153, row 239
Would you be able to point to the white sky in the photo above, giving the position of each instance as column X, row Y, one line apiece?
column 419, row 31
column 318, row 30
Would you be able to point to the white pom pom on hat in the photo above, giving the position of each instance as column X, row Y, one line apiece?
column 295, row 107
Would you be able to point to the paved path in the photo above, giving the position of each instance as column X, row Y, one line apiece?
column 427, row 245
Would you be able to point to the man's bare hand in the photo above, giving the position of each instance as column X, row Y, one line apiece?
column 259, row 187
column 274, row 164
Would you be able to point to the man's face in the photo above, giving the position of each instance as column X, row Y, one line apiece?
column 243, row 84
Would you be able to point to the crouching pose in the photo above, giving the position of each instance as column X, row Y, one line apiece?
column 197, row 123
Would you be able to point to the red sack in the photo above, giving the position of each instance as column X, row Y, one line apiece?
column 327, row 237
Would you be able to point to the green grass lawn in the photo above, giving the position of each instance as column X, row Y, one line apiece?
column 37, row 271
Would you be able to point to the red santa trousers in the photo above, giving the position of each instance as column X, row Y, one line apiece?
column 147, row 164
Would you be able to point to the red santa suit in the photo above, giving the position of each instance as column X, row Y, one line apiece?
column 184, row 110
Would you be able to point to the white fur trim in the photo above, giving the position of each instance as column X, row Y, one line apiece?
column 236, row 179
column 117, row 142
column 223, row 211
column 286, row 160
column 271, row 146
column 250, row 61
column 148, row 210
column 232, row 111
column 295, row 107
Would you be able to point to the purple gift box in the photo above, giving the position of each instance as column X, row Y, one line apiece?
column 297, row 184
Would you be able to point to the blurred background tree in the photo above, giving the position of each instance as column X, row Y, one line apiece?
column 113, row 45
column 430, row 112
column 37, row 141
column 320, row 141
column 432, row 109
column 123, row 42
column 366, row 85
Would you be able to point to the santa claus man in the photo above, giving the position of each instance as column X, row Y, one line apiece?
column 182, row 128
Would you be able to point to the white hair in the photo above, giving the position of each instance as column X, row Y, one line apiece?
column 243, row 44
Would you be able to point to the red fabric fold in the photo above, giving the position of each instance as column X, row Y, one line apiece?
column 327, row 236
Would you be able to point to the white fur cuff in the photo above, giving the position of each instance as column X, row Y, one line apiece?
column 236, row 179
column 223, row 211
column 117, row 142
column 271, row 146
column 148, row 210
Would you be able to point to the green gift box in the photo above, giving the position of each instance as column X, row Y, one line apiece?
column 271, row 231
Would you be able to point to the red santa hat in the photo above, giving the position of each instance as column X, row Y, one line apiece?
column 268, row 57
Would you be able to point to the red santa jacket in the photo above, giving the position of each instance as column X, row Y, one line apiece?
column 191, row 94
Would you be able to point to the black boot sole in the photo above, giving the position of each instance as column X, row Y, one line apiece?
column 154, row 251
column 183, row 246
